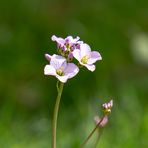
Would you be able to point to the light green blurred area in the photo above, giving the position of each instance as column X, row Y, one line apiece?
column 117, row 29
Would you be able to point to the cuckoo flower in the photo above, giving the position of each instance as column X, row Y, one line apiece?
column 59, row 68
column 67, row 44
column 86, row 57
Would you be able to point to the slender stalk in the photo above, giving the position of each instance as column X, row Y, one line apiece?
column 90, row 135
column 55, row 114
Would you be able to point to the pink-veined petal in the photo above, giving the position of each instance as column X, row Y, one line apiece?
column 49, row 70
column 76, row 54
column 71, row 70
column 85, row 50
column 58, row 61
column 90, row 67
column 94, row 56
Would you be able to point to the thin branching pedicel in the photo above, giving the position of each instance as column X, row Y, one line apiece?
column 100, row 122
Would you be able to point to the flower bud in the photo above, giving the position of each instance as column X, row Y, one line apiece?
column 103, row 122
column 48, row 57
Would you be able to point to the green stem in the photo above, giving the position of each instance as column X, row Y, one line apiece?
column 90, row 135
column 55, row 114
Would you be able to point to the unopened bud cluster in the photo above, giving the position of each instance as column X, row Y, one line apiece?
column 107, row 107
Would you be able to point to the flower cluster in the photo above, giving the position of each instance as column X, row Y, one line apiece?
column 62, row 66
column 107, row 107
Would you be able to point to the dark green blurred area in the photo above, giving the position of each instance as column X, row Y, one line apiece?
column 27, row 97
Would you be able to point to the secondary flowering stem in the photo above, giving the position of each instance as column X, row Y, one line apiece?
column 90, row 135
column 55, row 114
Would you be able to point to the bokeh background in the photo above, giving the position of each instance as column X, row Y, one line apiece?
column 117, row 29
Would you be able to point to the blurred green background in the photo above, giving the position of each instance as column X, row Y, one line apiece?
column 117, row 29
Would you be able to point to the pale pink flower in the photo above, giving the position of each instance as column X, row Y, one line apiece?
column 86, row 57
column 59, row 68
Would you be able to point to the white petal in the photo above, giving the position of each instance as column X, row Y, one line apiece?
column 49, row 70
column 80, row 42
column 71, row 70
column 90, row 67
column 85, row 50
column 62, row 78
column 58, row 61
column 76, row 54
column 58, row 40
column 95, row 56
column 72, row 40
column 53, row 38
column 76, row 39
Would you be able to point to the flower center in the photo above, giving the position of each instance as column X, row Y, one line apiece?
column 84, row 60
column 60, row 72
column 67, row 46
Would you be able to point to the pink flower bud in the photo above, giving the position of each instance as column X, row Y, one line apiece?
column 103, row 122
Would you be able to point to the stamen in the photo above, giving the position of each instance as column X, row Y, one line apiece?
column 60, row 72
column 84, row 60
